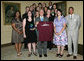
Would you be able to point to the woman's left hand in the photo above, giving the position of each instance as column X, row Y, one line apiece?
column 58, row 33
column 20, row 32
column 32, row 29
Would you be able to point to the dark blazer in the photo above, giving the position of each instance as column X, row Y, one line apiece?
column 38, row 19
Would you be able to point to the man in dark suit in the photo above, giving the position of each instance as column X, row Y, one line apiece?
column 24, row 16
column 41, row 44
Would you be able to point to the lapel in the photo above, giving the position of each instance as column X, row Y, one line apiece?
column 43, row 19
column 73, row 16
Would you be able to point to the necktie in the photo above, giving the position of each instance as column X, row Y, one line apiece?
column 71, row 16
column 41, row 18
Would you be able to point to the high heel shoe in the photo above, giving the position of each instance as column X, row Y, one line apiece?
column 29, row 54
column 58, row 55
column 20, row 53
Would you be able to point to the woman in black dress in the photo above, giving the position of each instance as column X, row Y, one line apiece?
column 30, row 33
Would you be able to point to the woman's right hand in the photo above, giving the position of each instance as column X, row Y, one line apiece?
column 20, row 32
column 57, row 33
column 24, row 36
column 37, row 23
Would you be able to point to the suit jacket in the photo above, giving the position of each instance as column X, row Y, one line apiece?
column 38, row 19
column 73, row 23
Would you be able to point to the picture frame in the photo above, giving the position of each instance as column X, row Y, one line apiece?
column 9, row 9
column 62, row 6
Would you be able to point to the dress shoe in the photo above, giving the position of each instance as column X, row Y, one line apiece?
column 58, row 55
column 29, row 54
column 74, row 57
column 40, row 55
column 50, row 48
column 35, row 53
column 45, row 55
column 69, row 55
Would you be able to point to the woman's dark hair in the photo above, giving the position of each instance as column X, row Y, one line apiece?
column 19, row 15
column 54, row 3
column 31, row 15
column 59, row 11
column 39, row 4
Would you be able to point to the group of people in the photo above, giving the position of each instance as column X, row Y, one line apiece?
column 25, row 29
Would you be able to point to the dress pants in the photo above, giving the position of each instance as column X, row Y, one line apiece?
column 42, row 45
column 73, row 38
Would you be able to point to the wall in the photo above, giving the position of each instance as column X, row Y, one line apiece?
column 78, row 9
column 6, row 30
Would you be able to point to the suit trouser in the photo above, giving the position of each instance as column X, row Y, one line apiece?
column 42, row 45
column 49, row 44
column 73, row 38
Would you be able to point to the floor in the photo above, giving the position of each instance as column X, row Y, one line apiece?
column 9, row 53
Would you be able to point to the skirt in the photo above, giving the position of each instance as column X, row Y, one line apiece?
column 61, row 39
column 31, row 36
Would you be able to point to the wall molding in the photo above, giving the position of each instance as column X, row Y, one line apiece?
column 5, row 45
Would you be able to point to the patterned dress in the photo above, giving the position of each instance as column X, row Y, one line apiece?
column 62, row 38
column 16, row 37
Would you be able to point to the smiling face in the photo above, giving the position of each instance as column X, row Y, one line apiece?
column 48, row 12
column 55, row 10
column 54, row 6
column 45, row 9
column 37, row 13
column 50, row 3
column 71, row 11
column 41, row 12
column 17, row 14
column 29, row 14
column 58, row 13
column 43, row 4
column 27, row 9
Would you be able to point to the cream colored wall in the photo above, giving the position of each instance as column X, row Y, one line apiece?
column 78, row 9
column 6, row 30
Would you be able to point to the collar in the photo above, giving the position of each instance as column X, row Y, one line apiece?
column 60, row 18
column 72, row 14
column 41, row 16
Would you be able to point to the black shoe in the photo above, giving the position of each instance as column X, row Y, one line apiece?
column 29, row 54
column 40, row 55
column 35, row 53
column 25, row 47
column 49, row 48
column 45, row 55
column 74, row 57
column 69, row 55
column 58, row 55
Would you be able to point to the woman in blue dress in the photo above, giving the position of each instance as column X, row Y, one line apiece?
column 60, row 37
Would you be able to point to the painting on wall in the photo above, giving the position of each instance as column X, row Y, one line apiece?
column 62, row 6
column 9, row 10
